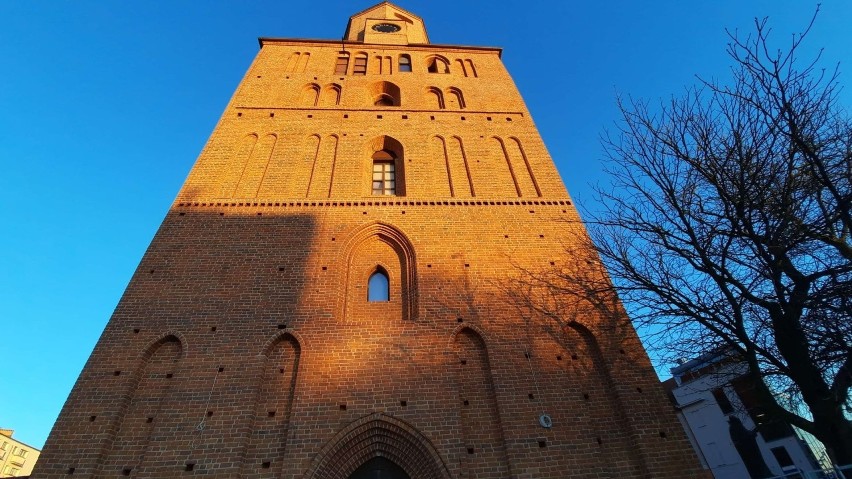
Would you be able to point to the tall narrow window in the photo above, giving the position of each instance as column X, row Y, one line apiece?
column 404, row 63
column 360, row 67
column 342, row 64
column 378, row 288
column 384, row 174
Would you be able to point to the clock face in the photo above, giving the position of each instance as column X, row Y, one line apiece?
column 386, row 28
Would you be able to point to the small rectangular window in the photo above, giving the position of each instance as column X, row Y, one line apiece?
column 360, row 67
column 404, row 63
column 342, row 65
column 384, row 181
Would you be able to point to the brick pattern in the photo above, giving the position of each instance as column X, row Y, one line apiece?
column 252, row 297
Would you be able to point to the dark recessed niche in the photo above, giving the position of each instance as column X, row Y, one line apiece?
column 531, row 396
column 464, row 361
column 463, row 118
column 272, row 115
column 221, row 369
column 639, row 390
column 209, row 413
column 149, row 420
column 574, row 357
column 527, row 354
column 403, row 403
column 553, row 263
column 325, row 268
column 280, row 268
column 135, row 330
column 71, row 470
column 663, row 434
column 282, row 326
column 508, row 119
column 541, row 236
column 466, row 402
column 559, row 358
column 470, row 450
column 265, row 465
column 271, row 413
column 310, row 116
column 258, row 76
column 189, row 466
column 151, row 272
column 488, row 118
column 345, row 116
column 599, row 440
column 116, row 373
column 379, row 117
column 506, row 236
column 126, row 471
column 260, row 214
column 169, row 375
column 428, row 265
column 431, row 117
column 586, row 396
column 621, row 351
column 213, row 329
column 404, row 117
column 221, row 214
column 181, row 214
column 542, row 443
column 343, row 407
column 239, row 114
column 92, row 418
column 459, row 320
column 281, row 371
column 467, row 265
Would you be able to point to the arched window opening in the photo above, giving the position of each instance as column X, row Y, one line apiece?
column 330, row 95
column 404, row 63
column 385, row 93
column 360, row 67
column 384, row 173
column 471, row 68
column 435, row 98
column 384, row 100
column 310, row 94
column 378, row 287
column 342, row 65
column 438, row 65
column 462, row 67
column 457, row 95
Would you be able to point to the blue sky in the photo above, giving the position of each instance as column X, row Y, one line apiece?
column 104, row 107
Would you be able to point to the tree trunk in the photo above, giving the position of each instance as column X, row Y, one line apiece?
column 835, row 431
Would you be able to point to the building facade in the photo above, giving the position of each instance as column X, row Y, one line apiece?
column 726, row 425
column 16, row 458
column 327, row 296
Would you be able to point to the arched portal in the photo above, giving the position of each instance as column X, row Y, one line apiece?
column 378, row 444
column 379, row 468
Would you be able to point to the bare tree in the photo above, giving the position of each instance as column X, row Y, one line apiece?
column 728, row 224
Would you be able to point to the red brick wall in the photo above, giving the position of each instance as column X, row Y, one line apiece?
column 252, row 296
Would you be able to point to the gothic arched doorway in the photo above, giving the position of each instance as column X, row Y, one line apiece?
column 379, row 468
column 378, row 447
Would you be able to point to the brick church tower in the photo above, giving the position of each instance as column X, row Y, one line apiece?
column 327, row 297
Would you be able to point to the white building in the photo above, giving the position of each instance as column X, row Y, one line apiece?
column 713, row 396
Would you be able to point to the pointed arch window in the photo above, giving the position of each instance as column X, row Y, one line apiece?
column 404, row 63
column 378, row 287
